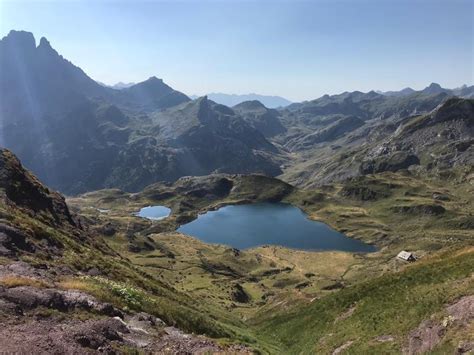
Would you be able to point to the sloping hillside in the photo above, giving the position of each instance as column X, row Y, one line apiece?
column 58, row 276
column 70, row 273
column 432, row 143
column 288, row 296
column 426, row 307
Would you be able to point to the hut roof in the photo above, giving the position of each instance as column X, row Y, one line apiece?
column 405, row 255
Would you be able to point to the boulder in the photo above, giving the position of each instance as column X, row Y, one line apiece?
column 397, row 161
column 238, row 294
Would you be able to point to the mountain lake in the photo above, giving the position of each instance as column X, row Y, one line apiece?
column 252, row 225
column 154, row 213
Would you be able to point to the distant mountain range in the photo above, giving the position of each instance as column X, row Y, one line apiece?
column 433, row 88
column 118, row 86
column 403, row 92
column 121, row 85
column 78, row 135
column 234, row 99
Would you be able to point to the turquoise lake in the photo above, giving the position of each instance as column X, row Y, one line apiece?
column 155, row 213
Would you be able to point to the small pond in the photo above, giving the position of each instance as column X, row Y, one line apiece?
column 246, row 226
column 155, row 213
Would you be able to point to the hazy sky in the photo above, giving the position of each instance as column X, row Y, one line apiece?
column 297, row 49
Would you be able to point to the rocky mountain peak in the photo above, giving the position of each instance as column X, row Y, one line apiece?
column 407, row 90
column 433, row 88
column 21, row 41
column 154, row 79
column 204, row 108
column 151, row 85
column 45, row 46
column 250, row 105
column 372, row 95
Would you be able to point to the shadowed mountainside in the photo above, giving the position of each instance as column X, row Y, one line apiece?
column 78, row 135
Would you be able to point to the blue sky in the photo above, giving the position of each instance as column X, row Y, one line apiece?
column 296, row 49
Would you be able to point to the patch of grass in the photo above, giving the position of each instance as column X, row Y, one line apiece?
column 132, row 297
column 45, row 313
column 86, row 285
column 127, row 350
column 74, row 284
column 16, row 281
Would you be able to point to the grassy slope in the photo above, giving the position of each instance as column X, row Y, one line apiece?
column 392, row 304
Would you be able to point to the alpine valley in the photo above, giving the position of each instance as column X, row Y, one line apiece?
column 80, row 272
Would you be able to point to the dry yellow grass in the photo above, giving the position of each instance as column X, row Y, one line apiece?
column 74, row 284
column 330, row 264
column 16, row 281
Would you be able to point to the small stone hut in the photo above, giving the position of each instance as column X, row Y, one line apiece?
column 406, row 256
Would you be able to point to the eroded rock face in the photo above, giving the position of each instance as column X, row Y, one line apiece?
column 430, row 333
column 462, row 310
column 13, row 239
column 425, row 337
column 71, row 336
column 66, row 335
column 420, row 209
column 20, row 187
column 22, row 195
column 394, row 162
column 28, row 297
column 439, row 140
column 260, row 117
column 328, row 133
column 96, row 334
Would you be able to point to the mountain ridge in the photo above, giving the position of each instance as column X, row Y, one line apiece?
column 235, row 99
column 78, row 135
column 93, row 130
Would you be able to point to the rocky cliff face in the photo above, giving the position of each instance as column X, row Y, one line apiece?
column 35, row 220
column 438, row 141
column 263, row 119
column 21, row 189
